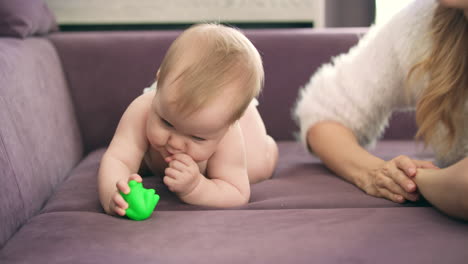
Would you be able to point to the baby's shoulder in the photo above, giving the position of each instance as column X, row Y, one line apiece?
column 141, row 104
column 232, row 139
column 137, row 112
column 144, row 100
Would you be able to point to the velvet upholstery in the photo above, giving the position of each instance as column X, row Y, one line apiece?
column 53, row 135
column 300, row 181
column 39, row 136
column 345, row 235
column 23, row 18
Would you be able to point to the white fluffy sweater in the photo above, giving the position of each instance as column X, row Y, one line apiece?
column 360, row 89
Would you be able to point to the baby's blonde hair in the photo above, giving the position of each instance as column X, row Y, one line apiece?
column 446, row 66
column 208, row 57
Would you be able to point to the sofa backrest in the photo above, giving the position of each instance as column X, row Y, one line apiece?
column 107, row 70
column 39, row 137
column 290, row 58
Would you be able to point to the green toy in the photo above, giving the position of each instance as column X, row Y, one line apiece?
column 141, row 201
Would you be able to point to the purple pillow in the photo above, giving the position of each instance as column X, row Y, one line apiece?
column 23, row 18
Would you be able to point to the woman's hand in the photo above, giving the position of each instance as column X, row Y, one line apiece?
column 393, row 179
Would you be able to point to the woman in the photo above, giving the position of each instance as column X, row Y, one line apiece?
column 419, row 59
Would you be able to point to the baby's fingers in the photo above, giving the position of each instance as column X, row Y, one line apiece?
column 135, row 177
column 173, row 173
column 122, row 186
column 181, row 157
column 119, row 204
column 177, row 165
column 170, row 182
column 119, row 211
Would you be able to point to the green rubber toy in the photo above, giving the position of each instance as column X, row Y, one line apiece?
column 141, row 201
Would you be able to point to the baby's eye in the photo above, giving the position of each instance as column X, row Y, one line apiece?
column 166, row 123
column 198, row 138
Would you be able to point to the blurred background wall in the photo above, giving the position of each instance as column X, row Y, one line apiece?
column 161, row 14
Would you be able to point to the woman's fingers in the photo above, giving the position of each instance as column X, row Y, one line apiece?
column 385, row 193
column 406, row 164
column 392, row 179
column 389, row 184
column 402, row 180
column 425, row 164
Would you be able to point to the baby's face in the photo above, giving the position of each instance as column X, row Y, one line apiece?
column 196, row 134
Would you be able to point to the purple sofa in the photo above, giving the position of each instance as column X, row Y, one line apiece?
column 61, row 96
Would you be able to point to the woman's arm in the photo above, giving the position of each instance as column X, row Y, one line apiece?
column 347, row 103
column 339, row 149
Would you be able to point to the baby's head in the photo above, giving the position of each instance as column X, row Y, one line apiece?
column 208, row 78
column 210, row 61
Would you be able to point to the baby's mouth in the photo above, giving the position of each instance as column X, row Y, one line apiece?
column 167, row 153
column 170, row 152
column 164, row 153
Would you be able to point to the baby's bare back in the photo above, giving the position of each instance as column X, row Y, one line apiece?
column 261, row 150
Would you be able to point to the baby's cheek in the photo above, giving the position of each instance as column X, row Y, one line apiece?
column 157, row 137
column 201, row 153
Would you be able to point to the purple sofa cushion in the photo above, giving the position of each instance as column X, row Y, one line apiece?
column 299, row 182
column 346, row 235
column 23, row 18
column 39, row 137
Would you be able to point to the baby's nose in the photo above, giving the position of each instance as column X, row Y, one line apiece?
column 176, row 143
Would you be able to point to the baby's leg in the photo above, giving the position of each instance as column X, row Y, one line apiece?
column 261, row 150
column 446, row 189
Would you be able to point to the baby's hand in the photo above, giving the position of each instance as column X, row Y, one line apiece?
column 182, row 175
column 117, row 204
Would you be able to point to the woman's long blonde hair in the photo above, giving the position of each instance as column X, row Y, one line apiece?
column 442, row 102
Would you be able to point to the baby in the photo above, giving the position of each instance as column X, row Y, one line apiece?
column 197, row 126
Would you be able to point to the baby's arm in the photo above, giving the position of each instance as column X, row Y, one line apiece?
column 123, row 156
column 228, row 183
column 446, row 188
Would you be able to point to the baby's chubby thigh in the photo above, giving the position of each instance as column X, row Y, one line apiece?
column 261, row 149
